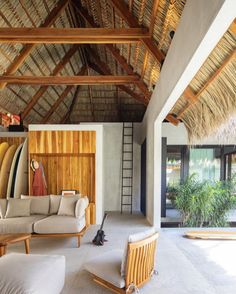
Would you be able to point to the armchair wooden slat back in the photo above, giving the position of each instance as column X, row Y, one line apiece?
column 140, row 261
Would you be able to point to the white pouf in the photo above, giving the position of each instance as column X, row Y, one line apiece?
column 29, row 273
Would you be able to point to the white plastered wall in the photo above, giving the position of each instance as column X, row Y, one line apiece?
column 202, row 25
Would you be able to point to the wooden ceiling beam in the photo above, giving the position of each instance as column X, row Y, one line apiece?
column 42, row 90
column 172, row 119
column 115, row 52
column 27, row 49
column 123, row 10
column 69, row 80
column 232, row 28
column 72, row 35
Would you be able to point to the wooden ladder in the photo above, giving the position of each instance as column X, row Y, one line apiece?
column 127, row 168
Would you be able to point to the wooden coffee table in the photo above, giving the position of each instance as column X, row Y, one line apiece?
column 6, row 239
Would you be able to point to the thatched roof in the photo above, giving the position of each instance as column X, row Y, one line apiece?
column 85, row 103
column 214, row 90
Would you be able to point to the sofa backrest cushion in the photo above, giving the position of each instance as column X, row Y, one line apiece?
column 18, row 207
column 67, row 206
column 54, row 203
column 80, row 207
column 3, row 207
column 39, row 204
column 131, row 239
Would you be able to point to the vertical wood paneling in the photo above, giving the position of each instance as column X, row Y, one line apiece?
column 68, row 158
column 62, row 142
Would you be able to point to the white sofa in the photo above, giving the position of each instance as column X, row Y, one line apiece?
column 31, row 273
column 44, row 216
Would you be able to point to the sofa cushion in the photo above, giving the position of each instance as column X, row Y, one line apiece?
column 18, row 207
column 19, row 224
column 54, row 203
column 134, row 238
column 67, row 206
column 3, row 207
column 107, row 267
column 32, row 273
column 80, row 207
column 39, row 204
column 57, row 224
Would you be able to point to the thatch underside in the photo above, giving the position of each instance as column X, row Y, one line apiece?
column 216, row 100
column 93, row 103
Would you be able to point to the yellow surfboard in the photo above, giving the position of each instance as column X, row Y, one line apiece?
column 5, row 170
column 3, row 149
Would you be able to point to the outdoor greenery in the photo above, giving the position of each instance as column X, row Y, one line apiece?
column 205, row 203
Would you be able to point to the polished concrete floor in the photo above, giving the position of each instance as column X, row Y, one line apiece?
column 185, row 266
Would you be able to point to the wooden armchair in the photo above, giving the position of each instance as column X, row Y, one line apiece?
column 133, row 272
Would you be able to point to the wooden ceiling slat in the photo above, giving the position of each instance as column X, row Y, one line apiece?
column 42, row 90
column 70, row 80
column 153, row 17
column 27, row 49
column 72, row 35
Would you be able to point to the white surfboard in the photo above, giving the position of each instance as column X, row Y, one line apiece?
column 11, row 179
column 21, row 181
column 5, row 170
column 3, row 149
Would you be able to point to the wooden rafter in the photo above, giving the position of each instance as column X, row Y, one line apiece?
column 123, row 10
column 72, row 35
column 153, row 17
column 27, row 49
column 56, row 104
column 73, row 102
column 102, row 68
column 70, row 80
column 232, row 28
column 115, row 52
column 42, row 90
column 61, row 98
column 208, row 82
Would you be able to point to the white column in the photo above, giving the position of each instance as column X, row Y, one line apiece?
column 202, row 25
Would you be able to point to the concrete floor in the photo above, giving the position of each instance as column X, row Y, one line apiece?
column 185, row 266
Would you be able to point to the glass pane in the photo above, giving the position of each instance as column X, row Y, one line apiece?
column 233, row 164
column 173, row 166
column 204, row 163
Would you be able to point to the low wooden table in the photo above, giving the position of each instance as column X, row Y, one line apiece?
column 6, row 239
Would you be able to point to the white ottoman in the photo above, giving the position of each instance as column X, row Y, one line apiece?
column 29, row 273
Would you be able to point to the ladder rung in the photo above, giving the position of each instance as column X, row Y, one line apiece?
column 127, row 186
column 127, row 159
column 127, row 177
column 127, row 168
column 127, row 204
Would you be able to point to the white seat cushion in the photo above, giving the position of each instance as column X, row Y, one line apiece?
column 35, row 274
column 107, row 267
column 19, row 224
column 56, row 224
